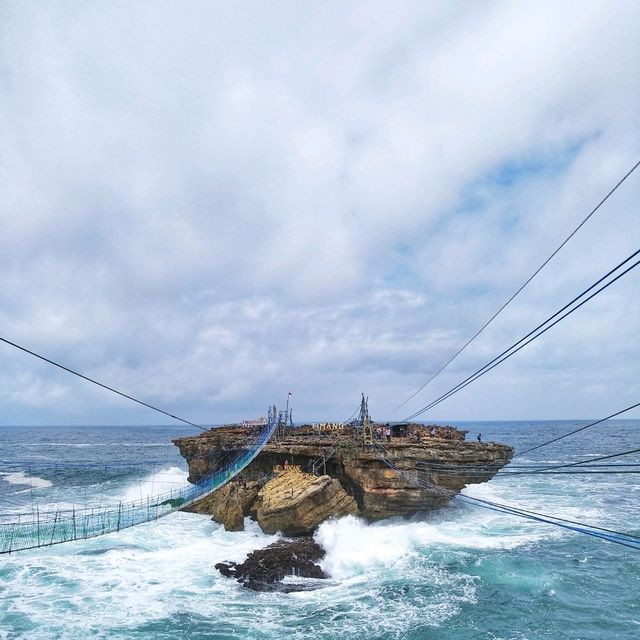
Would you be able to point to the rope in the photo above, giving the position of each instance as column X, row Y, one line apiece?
column 624, row 539
column 531, row 277
column 100, row 384
column 566, row 435
column 482, row 469
column 530, row 337
column 607, row 457
column 74, row 524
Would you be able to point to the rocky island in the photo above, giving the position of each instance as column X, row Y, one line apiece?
column 307, row 474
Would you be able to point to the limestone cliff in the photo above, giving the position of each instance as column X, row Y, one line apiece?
column 229, row 504
column 296, row 503
column 354, row 479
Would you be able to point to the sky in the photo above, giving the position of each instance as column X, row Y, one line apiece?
column 209, row 205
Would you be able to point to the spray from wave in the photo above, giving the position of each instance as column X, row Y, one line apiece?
column 357, row 548
column 158, row 483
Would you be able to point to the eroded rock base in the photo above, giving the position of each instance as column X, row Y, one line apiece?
column 296, row 503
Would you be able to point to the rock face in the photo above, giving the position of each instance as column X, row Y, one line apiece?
column 230, row 504
column 264, row 569
column 431, row 467
column 296, row 503
column 429, row 475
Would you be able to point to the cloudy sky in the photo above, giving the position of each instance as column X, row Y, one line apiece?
column 208, row 205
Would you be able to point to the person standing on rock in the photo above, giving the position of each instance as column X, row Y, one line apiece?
column 479, row 437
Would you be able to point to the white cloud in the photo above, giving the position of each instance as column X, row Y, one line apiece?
column 210, row 206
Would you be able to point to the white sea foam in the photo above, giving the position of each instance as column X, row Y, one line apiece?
column 353, row 547
column 21, row 478
column 119, row 581
column 387, row 579
column 115, row 583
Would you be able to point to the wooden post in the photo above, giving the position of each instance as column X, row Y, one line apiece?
column 53, row 529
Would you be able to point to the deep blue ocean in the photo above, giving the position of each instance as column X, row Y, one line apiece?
column 460, row 573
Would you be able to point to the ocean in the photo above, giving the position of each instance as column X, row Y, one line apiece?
column 460, row 573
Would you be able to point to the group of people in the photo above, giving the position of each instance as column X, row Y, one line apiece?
column 383, row 432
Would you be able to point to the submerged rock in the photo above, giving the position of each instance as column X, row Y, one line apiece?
column 264, row 569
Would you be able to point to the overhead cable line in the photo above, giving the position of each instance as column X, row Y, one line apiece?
column 621, row 471
column 581, row 462
column 457, row 470
column 531, row 277
column 100, row 384
column 527, row 468
column 536, row 513
column 508, row 470
column 500, row 475
column 566, row 435
column 535, row 333
column 617, row 537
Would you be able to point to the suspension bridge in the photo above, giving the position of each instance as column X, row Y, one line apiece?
column 39, row 528
column 58, row 526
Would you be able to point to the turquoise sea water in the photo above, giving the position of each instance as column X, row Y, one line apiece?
column 460, row 573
